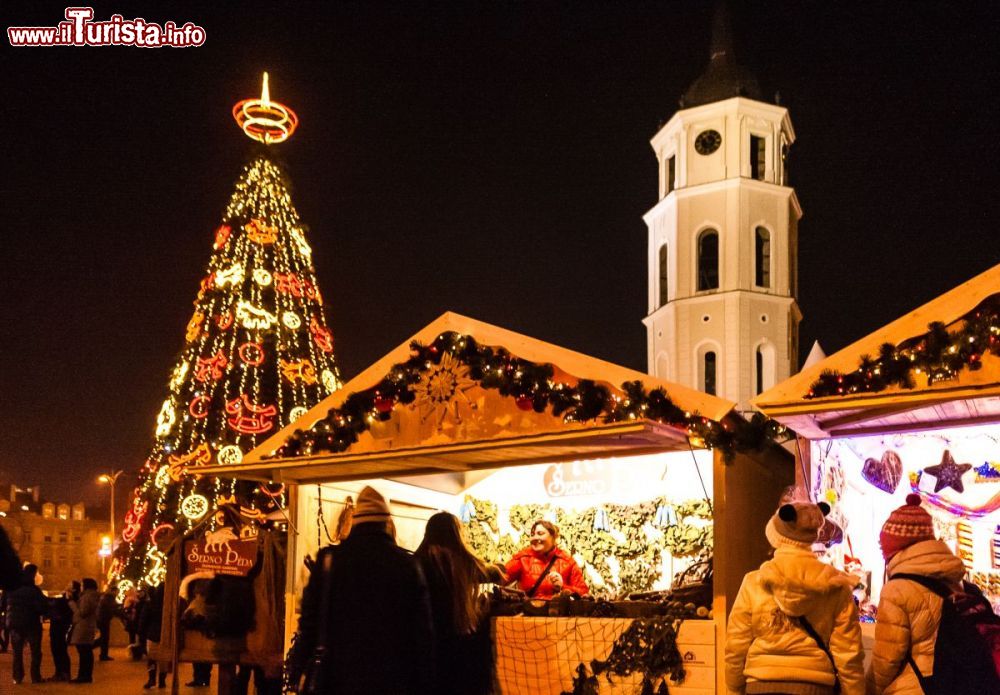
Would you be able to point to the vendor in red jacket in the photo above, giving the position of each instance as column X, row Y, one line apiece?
column 543, row 557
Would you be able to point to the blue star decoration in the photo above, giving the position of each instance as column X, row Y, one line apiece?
column 948, row 473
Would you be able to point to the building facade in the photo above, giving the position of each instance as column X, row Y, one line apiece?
column 722, row 240
column 57, row 537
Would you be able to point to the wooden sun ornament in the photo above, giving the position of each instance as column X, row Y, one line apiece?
column 264, row 120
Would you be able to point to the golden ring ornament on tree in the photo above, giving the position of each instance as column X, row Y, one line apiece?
column 194, row 506
column 264, row 120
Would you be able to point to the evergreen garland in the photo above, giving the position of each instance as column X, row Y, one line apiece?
column 533, row 386
column 938, row 353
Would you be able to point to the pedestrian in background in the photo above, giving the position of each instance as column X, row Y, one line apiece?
column 149, row 625
column 60, row 622
column 26, row 606
column 85, row 629
column 107, row 607
column 793, row 628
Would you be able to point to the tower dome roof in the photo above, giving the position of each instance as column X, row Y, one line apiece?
column 724, row 77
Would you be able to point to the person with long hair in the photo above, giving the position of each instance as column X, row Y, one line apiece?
column 543, row 569
column 454, row 573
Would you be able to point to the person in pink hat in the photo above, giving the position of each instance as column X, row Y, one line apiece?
column 910, row 608
column 793, row 628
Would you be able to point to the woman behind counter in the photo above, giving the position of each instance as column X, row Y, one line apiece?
column 453, row 575
column 542, row 570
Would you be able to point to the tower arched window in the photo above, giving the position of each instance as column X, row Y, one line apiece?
column 762, row 257
column 709, row 372
column 708, row 260
column 765, row 366
column 664, row 292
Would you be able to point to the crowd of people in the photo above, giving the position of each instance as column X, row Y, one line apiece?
column 79, row 617
column 377, row 618
column 794, row 630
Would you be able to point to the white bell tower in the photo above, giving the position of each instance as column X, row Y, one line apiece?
column 723, row 240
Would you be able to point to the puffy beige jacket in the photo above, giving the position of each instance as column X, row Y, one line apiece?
column 908, row 617
column 763, row 644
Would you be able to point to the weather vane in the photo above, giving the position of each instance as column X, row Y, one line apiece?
column 264, row 120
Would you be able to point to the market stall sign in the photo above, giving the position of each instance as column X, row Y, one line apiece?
column 222, row 555
column 579, row 478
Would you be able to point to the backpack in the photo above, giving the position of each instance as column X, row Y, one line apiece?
column 967, row 646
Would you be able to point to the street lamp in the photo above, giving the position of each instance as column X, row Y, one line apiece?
column 111, row 478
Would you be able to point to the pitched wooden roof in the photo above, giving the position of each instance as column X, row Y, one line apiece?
column 973, row 396
column 518, row 442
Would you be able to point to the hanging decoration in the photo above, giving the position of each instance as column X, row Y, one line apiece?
column 177, row 377
column 230, row 455
column 201, row 456
column 497, row 369
column 194, row 326
column 163, row 476
column 260, row 233
column 299, row 239
column 166, row 419
column 222, row 236
column 210, row 368
column 262, row 277
column 199, row 407
column 253, row 317
column 291, row 320
column 230, row 277
column 961, row 510
column 884, row 473
column 322, row 335
column 224, row 320
column 134, row 518
column 194, row 506
column 296, row 371
column 249, row 418
column 989, row 472
column 330, row 381
column 948, row 473
column 252, row 353
column 939, row 354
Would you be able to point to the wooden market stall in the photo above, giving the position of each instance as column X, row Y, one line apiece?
column 912, row 407
column 493, row 426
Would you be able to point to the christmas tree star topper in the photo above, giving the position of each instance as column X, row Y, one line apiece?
column 264, row 120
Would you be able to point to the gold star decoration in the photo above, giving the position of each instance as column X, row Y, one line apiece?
column 437, row 393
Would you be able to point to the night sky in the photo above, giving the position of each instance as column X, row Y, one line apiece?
column 491, row 159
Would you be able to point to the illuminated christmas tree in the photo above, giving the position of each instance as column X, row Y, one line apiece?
column 257, row 354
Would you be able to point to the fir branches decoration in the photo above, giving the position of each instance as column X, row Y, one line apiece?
column 647, row 646
column 939, row 354
column 533, row 386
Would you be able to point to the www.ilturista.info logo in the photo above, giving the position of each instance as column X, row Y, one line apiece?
column 80, row 30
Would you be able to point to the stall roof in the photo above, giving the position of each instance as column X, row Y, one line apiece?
column 554, row 443
column 971, row 397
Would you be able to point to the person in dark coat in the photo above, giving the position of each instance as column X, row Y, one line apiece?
column 85, row 629
column 149, row 624
column 60, row 621
column 462, row 637
column 377, row 618
column 26, row 606
column 107, row 607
